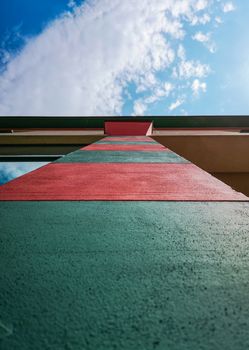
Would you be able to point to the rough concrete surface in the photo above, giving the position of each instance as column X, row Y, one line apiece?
column 122, row 157
column 125, row 147
column 131, row 275
column 126, row 181
column 124, row 275
column 129, row 138
column 107, row 142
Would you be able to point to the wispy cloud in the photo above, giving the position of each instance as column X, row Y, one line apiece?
column 201, row 4
column 218, row 20
column 71, row 4
column 197, row 20
column 205, row 39
column 82, row 63
column 190, row 69
column 9, row 171
column 198, row 86
column 176, row 104
column 139, row 108
column 228, row 7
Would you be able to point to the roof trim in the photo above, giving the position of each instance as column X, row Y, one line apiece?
column 98, row 122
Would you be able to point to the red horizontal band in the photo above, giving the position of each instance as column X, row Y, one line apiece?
column 116, row 128
column 126, row 181
column 128, row 138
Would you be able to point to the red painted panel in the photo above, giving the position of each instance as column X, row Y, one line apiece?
column 127, row 138
column 128, row 128
column 91, row 181
column 115, row 147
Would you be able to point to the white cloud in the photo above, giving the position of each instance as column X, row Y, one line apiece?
column 198, row 86
column 146, row 82
column 228, row 7
column 196, row 20
column 168, row 87
column 205, row 39
column 159, row 91
column 190, row 69
column 83, row 62
column 71, row 4
column 176, row 104
column 218, row 20
column 181, row 53
column 201, row 4
column 9, row 171
column 139, row 108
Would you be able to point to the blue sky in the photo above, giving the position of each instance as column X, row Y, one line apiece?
column 113, row 57
column 12, row 170
column 110, row 57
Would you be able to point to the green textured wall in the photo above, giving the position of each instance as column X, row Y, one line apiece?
column 124, row 275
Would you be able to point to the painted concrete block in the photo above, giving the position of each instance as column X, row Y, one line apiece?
column 123, row 128
column 125, row 147
column 124, row 275
column 122, row 157
column 124, row 181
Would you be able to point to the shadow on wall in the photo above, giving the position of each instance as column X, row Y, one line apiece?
column 224, row 156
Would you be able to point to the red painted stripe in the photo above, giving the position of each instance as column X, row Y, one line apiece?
column 128, row 128
column 111, row 147
column 128, row 138
column 126, row 181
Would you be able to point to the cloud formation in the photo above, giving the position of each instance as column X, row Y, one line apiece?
column 198, row 86
column 9, row 171
column 205, row 39
column 84, row 62
column 228, row 7
column 176, row 104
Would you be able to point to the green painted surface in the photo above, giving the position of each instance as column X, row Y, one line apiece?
column 121, row 157
column 140, row 275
